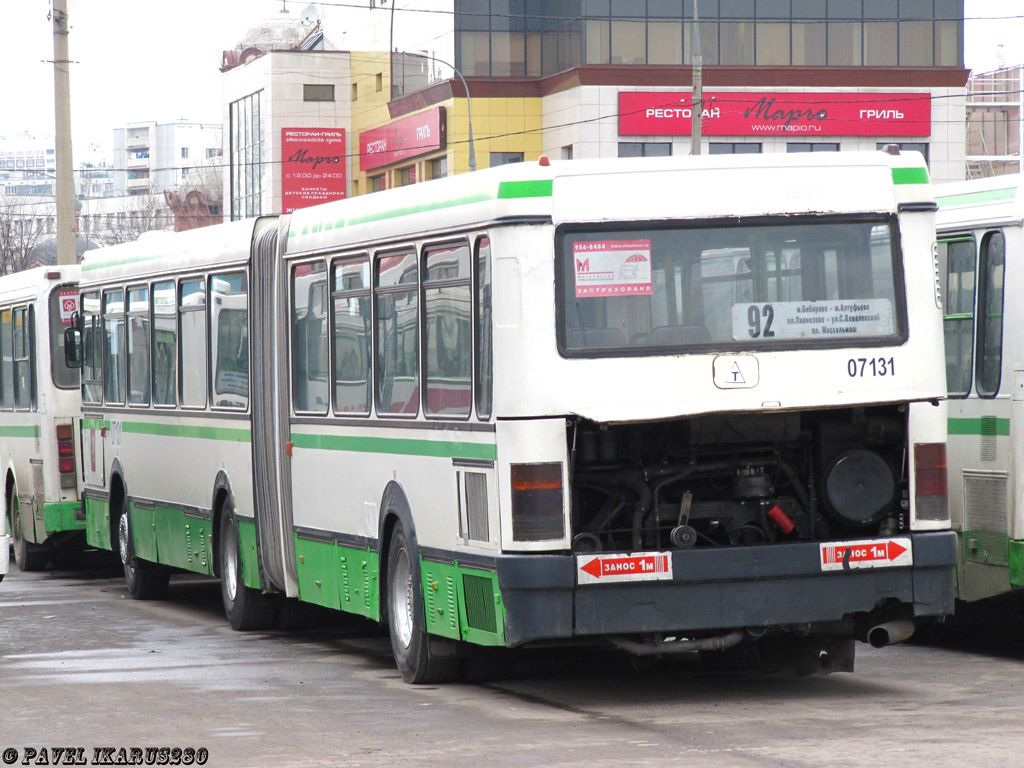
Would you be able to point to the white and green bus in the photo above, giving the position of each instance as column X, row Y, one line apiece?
column 981, row 234
column 686, row 404
column 40, row 408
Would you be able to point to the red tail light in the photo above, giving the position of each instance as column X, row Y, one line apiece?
column 537, row 504
column 932, row 494
column 65, row 449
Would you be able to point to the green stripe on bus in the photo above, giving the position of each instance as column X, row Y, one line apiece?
column 909, row 175
column 20, row 431
column 511, row 190
column 975, row 198
column 507, row 190
column 975, row 426
column 1016, row 558
column 399, row 446
column 961, row 316
column 89, row 266
column 95, row 424
column 228, row 434
column 63, row 516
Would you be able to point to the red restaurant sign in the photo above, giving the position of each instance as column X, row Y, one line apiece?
column 772, row 113
column 409, row 137
column 312, row 166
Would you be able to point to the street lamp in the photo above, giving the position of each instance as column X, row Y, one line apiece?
column 469, row 109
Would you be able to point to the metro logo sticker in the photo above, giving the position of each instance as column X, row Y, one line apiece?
column 636, row 566
column 612, row 268
column 68, row 298
column 873, row 553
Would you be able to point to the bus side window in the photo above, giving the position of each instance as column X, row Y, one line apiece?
column 138, row 346
column 483, row 356
column 229, row 335
column 92, row 347
column 958, row 313
column 7, row 359
column 397, row 338
column 310, row 391
column 115, row 355
column 447, row 330
column 192, row 363
column 990, row 308
column 165, row 344
column 352, row 333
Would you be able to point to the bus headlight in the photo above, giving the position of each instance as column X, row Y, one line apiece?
column 859, row 487
column 537, row 502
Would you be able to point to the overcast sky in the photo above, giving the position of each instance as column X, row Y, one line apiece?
column 138, row 60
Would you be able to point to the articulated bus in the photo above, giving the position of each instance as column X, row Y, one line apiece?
column 40, row 408
column 980, row 235
column 686, row 404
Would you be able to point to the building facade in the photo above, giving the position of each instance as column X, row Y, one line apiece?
column 157, row 157
column 476, row 83
column 995, row 134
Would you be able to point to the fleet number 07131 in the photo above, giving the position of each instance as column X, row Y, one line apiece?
column 859, row 367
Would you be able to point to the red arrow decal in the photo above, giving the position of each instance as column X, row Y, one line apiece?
column 895, row 550
column 593, row 568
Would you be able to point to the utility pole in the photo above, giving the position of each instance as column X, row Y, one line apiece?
column 67, row 251
column 697, row 100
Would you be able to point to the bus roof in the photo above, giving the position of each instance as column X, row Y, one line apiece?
column 158, row 251
column 707, row 186
column 964, row 204
column 32, row 282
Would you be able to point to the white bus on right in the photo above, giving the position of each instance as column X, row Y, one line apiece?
column 980, row 234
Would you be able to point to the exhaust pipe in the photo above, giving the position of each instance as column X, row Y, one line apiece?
column 890, row 633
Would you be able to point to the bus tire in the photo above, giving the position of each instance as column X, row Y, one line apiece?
column 410, row 644
column 246, row 608
column 28, row 556
column 145, row 580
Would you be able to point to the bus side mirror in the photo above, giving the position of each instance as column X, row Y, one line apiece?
column 73, row 342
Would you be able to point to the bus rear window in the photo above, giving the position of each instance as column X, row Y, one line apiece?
column 729, row 286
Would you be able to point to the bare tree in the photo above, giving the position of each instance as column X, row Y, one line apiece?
column 23, row 227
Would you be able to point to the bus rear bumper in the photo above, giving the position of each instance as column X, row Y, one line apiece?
column 717, row 589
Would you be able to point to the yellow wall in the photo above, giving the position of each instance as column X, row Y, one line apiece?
column 499, row 125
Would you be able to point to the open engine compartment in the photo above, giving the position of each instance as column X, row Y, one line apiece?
column 728, row 480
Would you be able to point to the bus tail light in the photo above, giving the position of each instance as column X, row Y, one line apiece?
column 66, row 453
column 932, row 494
column 537, row 502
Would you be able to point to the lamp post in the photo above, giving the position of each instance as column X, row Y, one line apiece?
column 697, row 98
column 469, row 109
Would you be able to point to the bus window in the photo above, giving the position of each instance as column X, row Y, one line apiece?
column 22, row 360
column 397, row 353
column 352, row 331
column 447, row 330
column 114, row 360
column 63, row 377
column 138, row 346
column 229, row 334
column 958, row 315
column 6, row 360
column 193, row 343
column 990, row 307
column 92, row 349
column 165, row 344
column 661, row 289
column 482, row 353
column 310, row 392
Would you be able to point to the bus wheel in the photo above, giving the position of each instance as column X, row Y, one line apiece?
column 146, row 581
column 409, row 643
column 245, row 607
column 28, row 556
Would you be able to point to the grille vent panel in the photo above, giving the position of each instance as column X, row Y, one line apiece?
column 986, row 538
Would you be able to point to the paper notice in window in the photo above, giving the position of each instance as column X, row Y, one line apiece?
column 612, row 268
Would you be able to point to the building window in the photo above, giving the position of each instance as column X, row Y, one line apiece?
column 823, row 146
column 355, row 91
column 405, row 176
column 644, row 149
column 505, row 158
column 246, row 152
column 317, row 92
column 567, row 152
column 184, row 153
column 380, row 82
column 377, row 183
column 734, row 148
column 438, row 167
